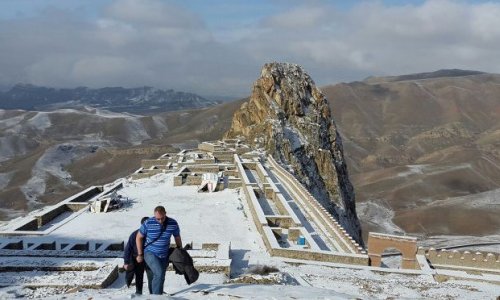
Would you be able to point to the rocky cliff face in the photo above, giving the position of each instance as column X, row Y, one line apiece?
column 288, row 116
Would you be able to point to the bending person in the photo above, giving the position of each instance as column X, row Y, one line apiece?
column 131, row 266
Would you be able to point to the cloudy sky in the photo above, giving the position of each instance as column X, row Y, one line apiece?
column 218, row 47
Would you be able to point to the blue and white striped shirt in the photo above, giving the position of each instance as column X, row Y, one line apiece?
column 151, row 230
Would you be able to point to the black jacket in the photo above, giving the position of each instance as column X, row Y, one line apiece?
column 130, row 252
column 183, row 264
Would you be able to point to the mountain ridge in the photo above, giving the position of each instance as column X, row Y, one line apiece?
column 120, row 99
column 442, row 73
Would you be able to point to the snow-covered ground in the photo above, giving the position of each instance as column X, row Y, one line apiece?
column 203, row 218
column 224, row 216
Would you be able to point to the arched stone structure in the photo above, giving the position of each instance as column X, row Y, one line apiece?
column 378, row 242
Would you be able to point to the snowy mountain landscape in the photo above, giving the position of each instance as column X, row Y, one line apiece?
column 400, row 171
column 306, row 149
column 250, row 243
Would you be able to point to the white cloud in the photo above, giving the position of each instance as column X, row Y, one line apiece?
column 299, row 18
column 151, row 42
column 152, row 13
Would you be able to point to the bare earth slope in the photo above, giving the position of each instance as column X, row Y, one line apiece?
column 47, row 156
column 417, row 146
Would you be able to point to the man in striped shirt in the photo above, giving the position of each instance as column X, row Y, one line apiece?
column 157, row 231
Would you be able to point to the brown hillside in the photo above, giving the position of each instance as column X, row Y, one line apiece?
column 414, row 143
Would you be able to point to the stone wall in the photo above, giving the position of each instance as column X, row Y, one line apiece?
column 462, row 259
column 271, row 227
column 224, row 157
column 141, row 150
column 51, row 214
column 193, row 180
column 333, row 227
column 325, row 256
column 190, row 167
column 233, row 173
column 178, row 180
column 140, row 175
column 87, row 194
column 280, row 221
column 233, row 183
column 145, row 173
column 29, row 226
column 207, row 147
column 148, row 163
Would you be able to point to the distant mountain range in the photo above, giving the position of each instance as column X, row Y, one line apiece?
column 134, row 100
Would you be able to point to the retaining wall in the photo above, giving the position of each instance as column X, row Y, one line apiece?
column 345, row 241
column 207, row 147
column 54, row 213
column 79, row 202
column 462, row 259
column 271, row 226
column 148, row 163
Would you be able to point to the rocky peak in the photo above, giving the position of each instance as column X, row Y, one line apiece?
column 289, row 117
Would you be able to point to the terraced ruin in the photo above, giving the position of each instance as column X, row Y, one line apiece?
column 68, row 245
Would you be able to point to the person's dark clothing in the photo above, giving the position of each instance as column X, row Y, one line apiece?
column 138, row 273
column 136, row 269
column 183, row 264
column 130, row 252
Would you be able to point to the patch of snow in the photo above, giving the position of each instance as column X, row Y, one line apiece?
column 295, row 138
column 136, row 131
column 10, row 122
column 112, row 115
column 160, row 123
column 195, row 212
column 412, row 170
column 5, row 179
column 12, row 146
column 67, row 111
column 484, row 200
column 443, row 169
column 364, row 283
column 379, row 215
column 51, row 162
column 40, row 121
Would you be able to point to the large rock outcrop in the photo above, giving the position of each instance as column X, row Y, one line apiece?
column 289, row 117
